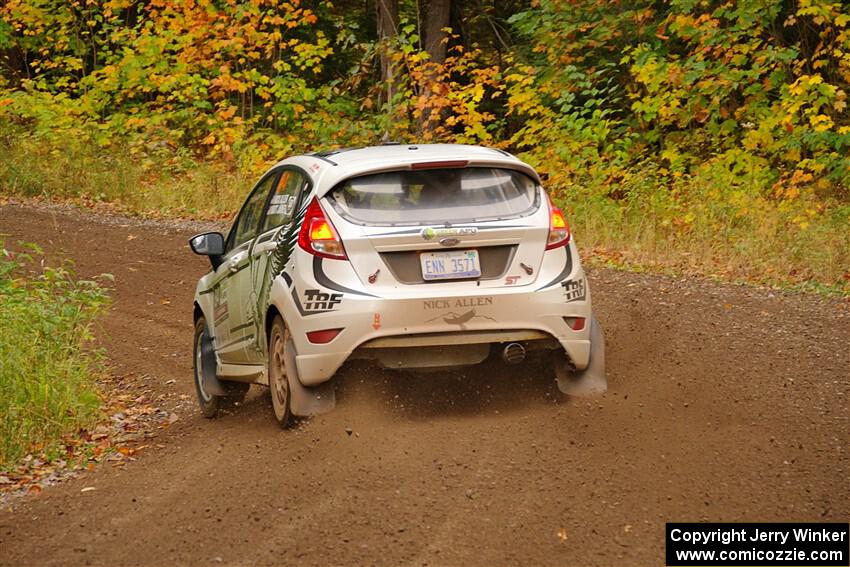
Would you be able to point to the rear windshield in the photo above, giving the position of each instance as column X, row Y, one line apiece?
column 435, row 196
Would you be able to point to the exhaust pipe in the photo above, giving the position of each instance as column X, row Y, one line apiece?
column 514, row 353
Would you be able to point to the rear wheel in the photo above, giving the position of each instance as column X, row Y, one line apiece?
column 591, row 380
column 278, row 384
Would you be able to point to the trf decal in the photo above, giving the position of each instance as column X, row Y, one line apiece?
column 574, row 290
column 316, row 300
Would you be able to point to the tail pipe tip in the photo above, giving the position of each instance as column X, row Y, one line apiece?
column 513, row 353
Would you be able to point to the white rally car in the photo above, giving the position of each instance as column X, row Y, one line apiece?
column 414, row 256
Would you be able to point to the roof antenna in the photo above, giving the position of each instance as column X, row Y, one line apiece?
column 385, row 140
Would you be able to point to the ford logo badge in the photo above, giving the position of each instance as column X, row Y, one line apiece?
column 449, row 241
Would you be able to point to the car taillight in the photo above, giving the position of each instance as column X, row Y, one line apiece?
column 322, row 337
column 318, row 236
column 559, row 230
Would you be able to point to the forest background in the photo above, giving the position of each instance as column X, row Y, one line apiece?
column 692, row 136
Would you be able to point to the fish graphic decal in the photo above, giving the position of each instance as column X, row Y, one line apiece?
column 453, row 318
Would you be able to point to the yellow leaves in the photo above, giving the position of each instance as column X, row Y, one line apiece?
column 669, row 109
column 752, row 140
column 804, row 84
column 821, row 122
column 520, row 98
column 525, row 79
column 650, row 73
column 801, row 177
column 281, row 66
column 739, row 60
column 477, row 92
column 792, row 155
column 823, row 12
column 797, row 88
column 228, row 83
column 227, row 112
column 683, row 20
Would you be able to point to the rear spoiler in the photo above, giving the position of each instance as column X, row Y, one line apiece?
column 335, row 175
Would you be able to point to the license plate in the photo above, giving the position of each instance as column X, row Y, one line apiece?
column 450, row 265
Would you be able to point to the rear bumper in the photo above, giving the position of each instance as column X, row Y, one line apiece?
column 495, row 316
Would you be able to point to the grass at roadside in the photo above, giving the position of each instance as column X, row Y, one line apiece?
column 711, row 222
column 691, row 228
column 47, row 370
column 154, row 182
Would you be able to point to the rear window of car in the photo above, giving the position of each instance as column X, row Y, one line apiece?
column 435, row 196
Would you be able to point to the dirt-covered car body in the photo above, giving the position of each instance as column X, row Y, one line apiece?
column 415, row 256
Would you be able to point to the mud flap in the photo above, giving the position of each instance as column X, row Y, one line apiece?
column 592, row 379
column 212, row 385
column 303, row 400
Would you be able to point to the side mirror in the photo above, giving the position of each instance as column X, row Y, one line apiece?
column 209, row 244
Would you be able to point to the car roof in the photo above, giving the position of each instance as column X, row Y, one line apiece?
column 328, row 168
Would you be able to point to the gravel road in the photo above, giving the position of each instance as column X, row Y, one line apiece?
column 726, row 403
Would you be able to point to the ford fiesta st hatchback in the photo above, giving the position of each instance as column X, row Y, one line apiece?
column 414, row 256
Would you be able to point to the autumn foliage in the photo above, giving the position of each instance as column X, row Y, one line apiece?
column 713, row 135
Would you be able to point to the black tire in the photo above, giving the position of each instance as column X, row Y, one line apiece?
column 209, row 403
column 279, row 342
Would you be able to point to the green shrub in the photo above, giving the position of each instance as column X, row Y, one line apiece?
column 47, row 370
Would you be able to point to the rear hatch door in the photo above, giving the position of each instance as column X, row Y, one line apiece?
column 441, row 229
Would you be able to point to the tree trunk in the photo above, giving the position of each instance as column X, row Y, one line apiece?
column 437, row 13
column 387, row 29
column 436, row 19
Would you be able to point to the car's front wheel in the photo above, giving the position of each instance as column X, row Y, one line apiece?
column 279, row 343
column 204, row 361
